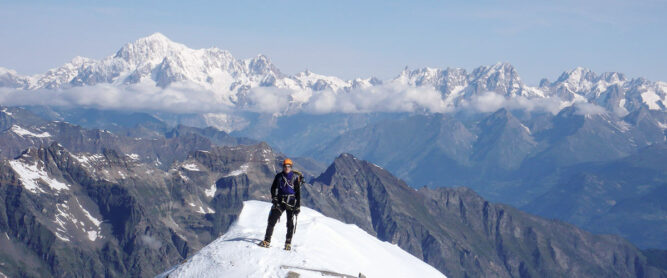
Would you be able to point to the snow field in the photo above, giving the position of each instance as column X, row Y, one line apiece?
column 320, row 245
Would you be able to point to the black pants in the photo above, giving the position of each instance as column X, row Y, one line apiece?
column 274, row 215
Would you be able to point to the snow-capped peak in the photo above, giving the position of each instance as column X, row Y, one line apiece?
column 582, row 79
column 502, row 68
column 321, row 247
column 152, row 48
column 577, row 74
column 261, row 65
column 155, row 63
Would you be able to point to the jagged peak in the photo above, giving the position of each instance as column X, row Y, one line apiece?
column 346, row 157
column 497, row 67
column 262, row 64
column 613, row 76
column 338, row 164
column 581, row 76
column 429, row 71
column 505, row 66
column 350, row 161
column 577, row 74
column 500, row 68
column 262, row 57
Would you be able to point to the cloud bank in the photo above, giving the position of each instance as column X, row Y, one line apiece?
column 382, row 98
column 185, row 98
column 136, row 97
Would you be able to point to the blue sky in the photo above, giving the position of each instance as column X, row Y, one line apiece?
column 354, row 38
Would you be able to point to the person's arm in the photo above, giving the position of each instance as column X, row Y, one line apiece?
column 274, row 189
column 297, row 191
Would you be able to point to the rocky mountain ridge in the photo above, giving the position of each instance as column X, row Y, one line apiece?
column 113, row 214
column 116, row 216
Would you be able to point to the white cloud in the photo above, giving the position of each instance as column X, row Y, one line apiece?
column 269, row 100
column 191, row 98
column 392, row 97
column 180, row 98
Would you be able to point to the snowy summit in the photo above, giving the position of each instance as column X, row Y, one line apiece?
column 322, row 246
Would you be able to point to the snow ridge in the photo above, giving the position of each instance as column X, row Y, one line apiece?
column 322, row 246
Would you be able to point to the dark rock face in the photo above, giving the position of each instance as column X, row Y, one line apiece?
column 92, row 227
column 109, row 214
column 463, row 235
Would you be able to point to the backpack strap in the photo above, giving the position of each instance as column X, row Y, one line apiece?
column 299, row 176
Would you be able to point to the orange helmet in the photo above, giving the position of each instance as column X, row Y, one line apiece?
column 287, row 161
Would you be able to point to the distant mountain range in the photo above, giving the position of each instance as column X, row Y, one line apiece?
column 159, row 63
column 539, row 162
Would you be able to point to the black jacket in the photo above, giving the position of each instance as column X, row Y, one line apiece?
column 278, row 181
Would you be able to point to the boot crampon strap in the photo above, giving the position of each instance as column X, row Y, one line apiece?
column 264, row 244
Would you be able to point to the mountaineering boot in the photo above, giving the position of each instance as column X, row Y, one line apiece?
column 288, row 246
column 264, row 244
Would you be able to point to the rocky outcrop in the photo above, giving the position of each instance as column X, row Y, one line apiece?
column 95, row 215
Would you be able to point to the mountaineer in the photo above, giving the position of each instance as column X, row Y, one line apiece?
column 285, row 196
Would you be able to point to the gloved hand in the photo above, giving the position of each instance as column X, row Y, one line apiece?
column 275, row 201
column 297, row 211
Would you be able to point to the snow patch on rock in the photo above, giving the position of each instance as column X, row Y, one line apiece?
column 67, row 222
column 62, row 217
column 24, row 132
column 191, row 167
column 31, row 175
column 86, row 159
column 211, row 191
column 92, row 219
column 242, row 170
